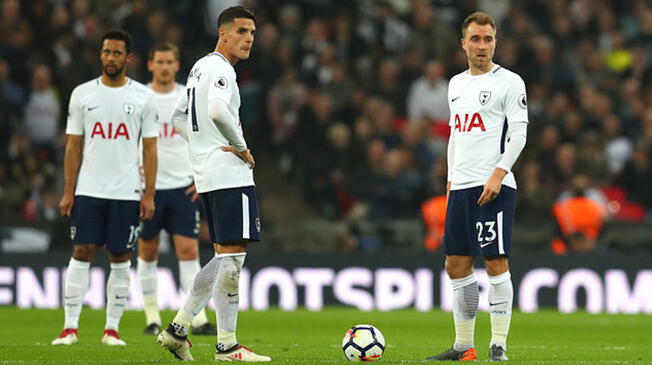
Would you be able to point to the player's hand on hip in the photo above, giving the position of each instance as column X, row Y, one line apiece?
column 146, row 208
column 245, row 155
column 492, row 187
column 66, row 204
column 192, row 190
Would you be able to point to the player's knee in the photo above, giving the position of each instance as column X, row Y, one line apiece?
column 187, row 251
column 147, row 251
column 83, row 252
column 457, row 270
column 496, row 265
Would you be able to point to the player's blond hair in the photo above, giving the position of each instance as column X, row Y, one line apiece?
column 480, row 18
column 163, row 47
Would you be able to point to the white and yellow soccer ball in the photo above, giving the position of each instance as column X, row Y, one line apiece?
column 363, row 342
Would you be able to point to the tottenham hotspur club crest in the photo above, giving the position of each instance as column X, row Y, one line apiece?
column 484, row 97
column 129, row 108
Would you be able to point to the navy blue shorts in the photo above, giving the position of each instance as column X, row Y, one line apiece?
column 176, row 213
column 472, row 230
column 114, row 223
column 232, row 214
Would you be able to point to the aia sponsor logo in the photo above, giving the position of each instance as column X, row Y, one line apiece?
column 470, row 121
column 110, row 131
column 166, row 131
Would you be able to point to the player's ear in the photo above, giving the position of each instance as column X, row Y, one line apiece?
column 150, row 64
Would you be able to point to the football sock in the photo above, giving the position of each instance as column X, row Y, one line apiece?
column 465, row 307
column 117, row 291
column 227, row 298
column 501, row 296
column 76, row 284
column 147, row 276
column 188, row 269
column 198, row 297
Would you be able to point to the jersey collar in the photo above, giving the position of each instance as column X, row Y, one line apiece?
column 221, row 56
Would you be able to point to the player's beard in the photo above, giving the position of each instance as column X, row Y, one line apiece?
column 113, row 74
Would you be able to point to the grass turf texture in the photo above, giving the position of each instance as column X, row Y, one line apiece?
column 304, row 337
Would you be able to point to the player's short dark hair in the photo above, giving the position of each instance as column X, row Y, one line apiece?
column 119, row 35
column 480, row 18
column 228, row 15
column 164, row 47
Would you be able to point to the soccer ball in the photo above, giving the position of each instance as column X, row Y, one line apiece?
column 363, row 342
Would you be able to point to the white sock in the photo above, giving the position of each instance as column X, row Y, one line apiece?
column 227, row 298
column 465, row 307
column 75, row 287
column 198, row 297
column 147, row 277
column 188, row 269
column 501, row 296
column 117, row 291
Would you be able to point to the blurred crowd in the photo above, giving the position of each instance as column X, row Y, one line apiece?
column 349, row 98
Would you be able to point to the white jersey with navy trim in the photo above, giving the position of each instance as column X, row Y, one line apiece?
column 174, row 169
column 482, row 107
column 112, row 120
column 213, row 77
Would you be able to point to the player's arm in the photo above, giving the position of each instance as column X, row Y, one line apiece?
column 149, row 133
column 179, row 117
column 516, row 113
column 450, row 158
column 73, row 155
column 71, row 165
column 226, row 124
column 149, row 168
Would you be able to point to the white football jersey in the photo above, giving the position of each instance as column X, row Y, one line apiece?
column 482, row 107
column 213, row 77
column 112, row 120
column 174, row 169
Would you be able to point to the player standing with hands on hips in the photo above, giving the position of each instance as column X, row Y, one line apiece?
column 176, row 207
column 488, row 123
column 207, row 115
column 108, row 118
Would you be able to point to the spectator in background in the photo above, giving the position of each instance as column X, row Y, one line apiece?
column 580, row 219
column 427, row 100
column 42, row 114
column 618, row 148
column 426, row 28
column 534, row 199
column 637, row 175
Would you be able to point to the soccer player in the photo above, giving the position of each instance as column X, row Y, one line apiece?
column 207, row 114
column 175, row 199
column 107, row 117
column 488, row 130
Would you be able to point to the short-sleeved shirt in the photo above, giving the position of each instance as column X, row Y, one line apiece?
column 174, row 169
column 112, row 120
column 213, row 77
column 482, row 108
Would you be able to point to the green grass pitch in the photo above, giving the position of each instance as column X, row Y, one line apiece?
column 304, row 337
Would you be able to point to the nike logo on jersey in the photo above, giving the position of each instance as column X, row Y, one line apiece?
column 231, row 294
column 453, row 99
column 92, row 107
column 120, row 297
column 485, row 244
column 492, row 304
